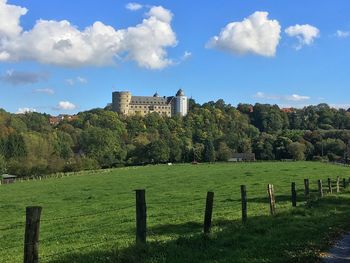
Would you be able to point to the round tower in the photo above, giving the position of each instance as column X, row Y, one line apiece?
column 181, row 106
column 121, row 101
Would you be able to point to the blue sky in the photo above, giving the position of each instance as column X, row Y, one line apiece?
column 291, row 53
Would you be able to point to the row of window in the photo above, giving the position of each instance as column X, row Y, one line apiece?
column 148, row 102
column 164, row 113
column 156, row 107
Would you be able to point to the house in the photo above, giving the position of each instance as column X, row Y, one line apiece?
column 242, row 157
column 8, row 179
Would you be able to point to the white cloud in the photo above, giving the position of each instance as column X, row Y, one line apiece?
column 305, row 34
column 296, row 97
column 186, row 55
column 63, row 44
column 342, row 34
column 25, row 110
column 65, row 105
column 76, row 80
column 9, row 19
column 256, row 34
column 70, row 82
column 293, row 97
column 133, row 6
column 82, row 80
column 47, row 91
column 160, row 13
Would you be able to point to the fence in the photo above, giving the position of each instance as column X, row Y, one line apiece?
column 33, row 216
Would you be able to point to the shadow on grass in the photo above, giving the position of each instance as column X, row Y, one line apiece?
column 294, row 236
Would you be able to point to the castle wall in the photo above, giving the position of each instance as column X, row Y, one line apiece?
column 124, row 103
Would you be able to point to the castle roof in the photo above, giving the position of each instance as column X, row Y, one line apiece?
column 149, row 100
column 180, row 92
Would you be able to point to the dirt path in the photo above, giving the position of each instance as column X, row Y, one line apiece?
column 340, row 253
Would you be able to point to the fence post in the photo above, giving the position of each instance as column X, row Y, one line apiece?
column 294, row 195
column 344, row 183
column 338, row 184
column 31, row 236
column 307, row 188
column 244, row 203
column 208, row 212
column 272, row 202
column 320, row 188
column 330, row 190
column 141, row 216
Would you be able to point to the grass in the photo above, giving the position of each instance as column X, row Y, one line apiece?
column 89, row 218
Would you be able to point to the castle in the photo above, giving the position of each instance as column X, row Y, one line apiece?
column 124, row 103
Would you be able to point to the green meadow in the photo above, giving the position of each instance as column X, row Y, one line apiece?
column 89, row 217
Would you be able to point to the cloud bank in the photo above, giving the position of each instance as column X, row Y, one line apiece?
column 256, row 34
column 63, row 44
column 14, row 77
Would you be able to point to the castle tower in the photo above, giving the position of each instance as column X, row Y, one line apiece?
column 181, row 104
column 121, row 101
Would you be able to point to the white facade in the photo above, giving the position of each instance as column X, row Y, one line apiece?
column 181, row 105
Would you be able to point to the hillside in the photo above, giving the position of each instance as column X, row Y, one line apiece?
column 30, row 145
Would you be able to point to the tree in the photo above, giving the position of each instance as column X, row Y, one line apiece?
column 3, row 165
column 224, row 152
column 158, row 151
column 209, row 151
column 102, row 145
column 297, row 151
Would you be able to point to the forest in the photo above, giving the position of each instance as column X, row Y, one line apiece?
column 99, row 138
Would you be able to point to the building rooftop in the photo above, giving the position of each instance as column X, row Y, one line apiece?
column 148, row 100
column 180, row 92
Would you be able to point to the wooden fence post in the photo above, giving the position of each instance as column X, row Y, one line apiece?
column 244, row 203
column 338, row 184
column 272, row 201
column 141, row 216
column 330, row 190
column 344, row 183
column 31, row 236
column 307, row 188
column 208, row 212
column 320, row 188
column 294, row 195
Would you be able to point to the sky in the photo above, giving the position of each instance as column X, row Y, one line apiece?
column 63, row 57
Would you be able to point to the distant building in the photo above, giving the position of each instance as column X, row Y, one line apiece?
column 7, row 179
column 56, row 120
column 124, row 103
column 288, row 110
column 242, row 157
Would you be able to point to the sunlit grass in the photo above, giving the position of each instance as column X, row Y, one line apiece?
column 90, row 217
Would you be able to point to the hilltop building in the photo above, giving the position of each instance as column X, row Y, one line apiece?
column 124, row 103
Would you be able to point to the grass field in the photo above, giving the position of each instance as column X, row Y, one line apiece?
column 90, row 217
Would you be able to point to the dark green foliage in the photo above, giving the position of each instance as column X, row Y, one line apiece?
column 158, row 151
column 3, row 165
column 209, row 151
column 210, row 132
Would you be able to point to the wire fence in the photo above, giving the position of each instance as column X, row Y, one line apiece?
column 226, row 205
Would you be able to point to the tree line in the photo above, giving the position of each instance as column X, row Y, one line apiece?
column 99, row 138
